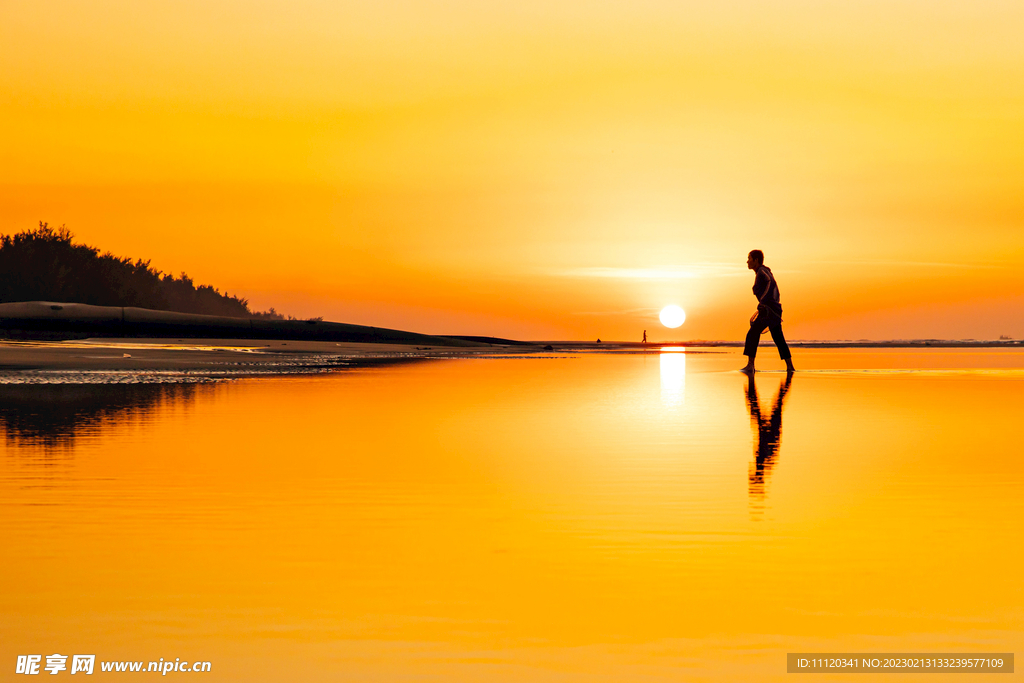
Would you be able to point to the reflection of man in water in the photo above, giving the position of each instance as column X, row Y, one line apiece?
column 768, row 434
column 769, row 313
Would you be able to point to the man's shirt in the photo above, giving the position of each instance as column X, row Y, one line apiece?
column 766, row 289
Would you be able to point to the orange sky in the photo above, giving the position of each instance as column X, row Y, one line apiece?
column 534, row 169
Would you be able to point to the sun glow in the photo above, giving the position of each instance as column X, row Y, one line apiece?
column 673, row 375
column 672, row 316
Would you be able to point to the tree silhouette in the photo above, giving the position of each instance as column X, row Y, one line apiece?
column 45, row 264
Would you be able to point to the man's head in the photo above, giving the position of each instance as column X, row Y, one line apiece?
column 755, row 259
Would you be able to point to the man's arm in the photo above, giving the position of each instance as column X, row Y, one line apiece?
column 761, row 284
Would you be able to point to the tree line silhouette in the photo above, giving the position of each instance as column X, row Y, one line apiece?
column 44, row 264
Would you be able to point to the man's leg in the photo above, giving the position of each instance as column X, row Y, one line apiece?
column 753, row 339
column 775, row 327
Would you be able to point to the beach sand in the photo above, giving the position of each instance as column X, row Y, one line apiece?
column 234, row 356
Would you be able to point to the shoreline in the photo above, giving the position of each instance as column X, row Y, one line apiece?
column 222, row 357
column 192, row 359
column 864, row 344
column 60, row 326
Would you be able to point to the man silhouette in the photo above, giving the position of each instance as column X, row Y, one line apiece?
column 769, row 313
column 645, row 337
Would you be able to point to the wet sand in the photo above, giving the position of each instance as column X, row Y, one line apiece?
column 221, row 356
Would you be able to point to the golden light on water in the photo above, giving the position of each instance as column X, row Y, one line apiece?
column 672, row 361
column 510, row 520
column 672, row 316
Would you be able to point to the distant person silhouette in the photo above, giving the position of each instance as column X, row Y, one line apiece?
column 645, row 336
column 768, row 315
column 768, row 435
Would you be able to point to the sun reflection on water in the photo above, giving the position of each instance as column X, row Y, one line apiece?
column 673, row 375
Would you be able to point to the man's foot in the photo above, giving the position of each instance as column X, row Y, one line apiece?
column 789, row 367
column 748, row 369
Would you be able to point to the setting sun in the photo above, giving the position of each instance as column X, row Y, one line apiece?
column 672, row 316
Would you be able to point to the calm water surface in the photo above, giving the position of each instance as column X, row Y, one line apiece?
column 597, row 517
